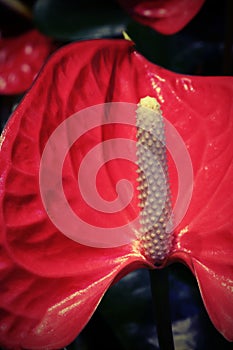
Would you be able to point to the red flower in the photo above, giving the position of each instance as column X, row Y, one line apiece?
column 167, row 17
column 50, row 284
column 20, row 60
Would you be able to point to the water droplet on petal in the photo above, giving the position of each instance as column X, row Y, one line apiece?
column 162, row 12
column 11, row 77
column 28, row 49
column 25, row 68
column 2, row 83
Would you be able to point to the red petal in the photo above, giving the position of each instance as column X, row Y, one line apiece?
column 20, row 60
column 50, row 266
column 205, row 235
column 37, row 312
column 78, row 76
column 167, row 17
column 200, row 108
column 215, row 287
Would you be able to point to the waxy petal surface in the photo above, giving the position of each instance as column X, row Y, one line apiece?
column 205, row 235
column 165, row 16
column 79, row 76
column 21, row 59
column 48, row 313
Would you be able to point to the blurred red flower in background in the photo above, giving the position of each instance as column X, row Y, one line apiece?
column 165, row 16
column 21, row 58
column 50, row 284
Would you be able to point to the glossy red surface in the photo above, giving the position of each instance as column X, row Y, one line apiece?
column 51, row 285
column 165, row 16
column 21, row 59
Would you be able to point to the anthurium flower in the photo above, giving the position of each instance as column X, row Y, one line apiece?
column 51, row 284
column 21, row 58
column 165, row 16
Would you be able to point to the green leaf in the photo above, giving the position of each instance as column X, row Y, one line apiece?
column 79, row 20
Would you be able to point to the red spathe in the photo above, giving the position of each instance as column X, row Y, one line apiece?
column 165, row 16
column 51, row 285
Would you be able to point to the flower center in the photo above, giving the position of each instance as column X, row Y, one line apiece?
column 154, row 190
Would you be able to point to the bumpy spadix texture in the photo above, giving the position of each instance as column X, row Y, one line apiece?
column 50, row 285
column 153, row 180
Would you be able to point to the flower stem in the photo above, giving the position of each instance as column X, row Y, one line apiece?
column 161, row 307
